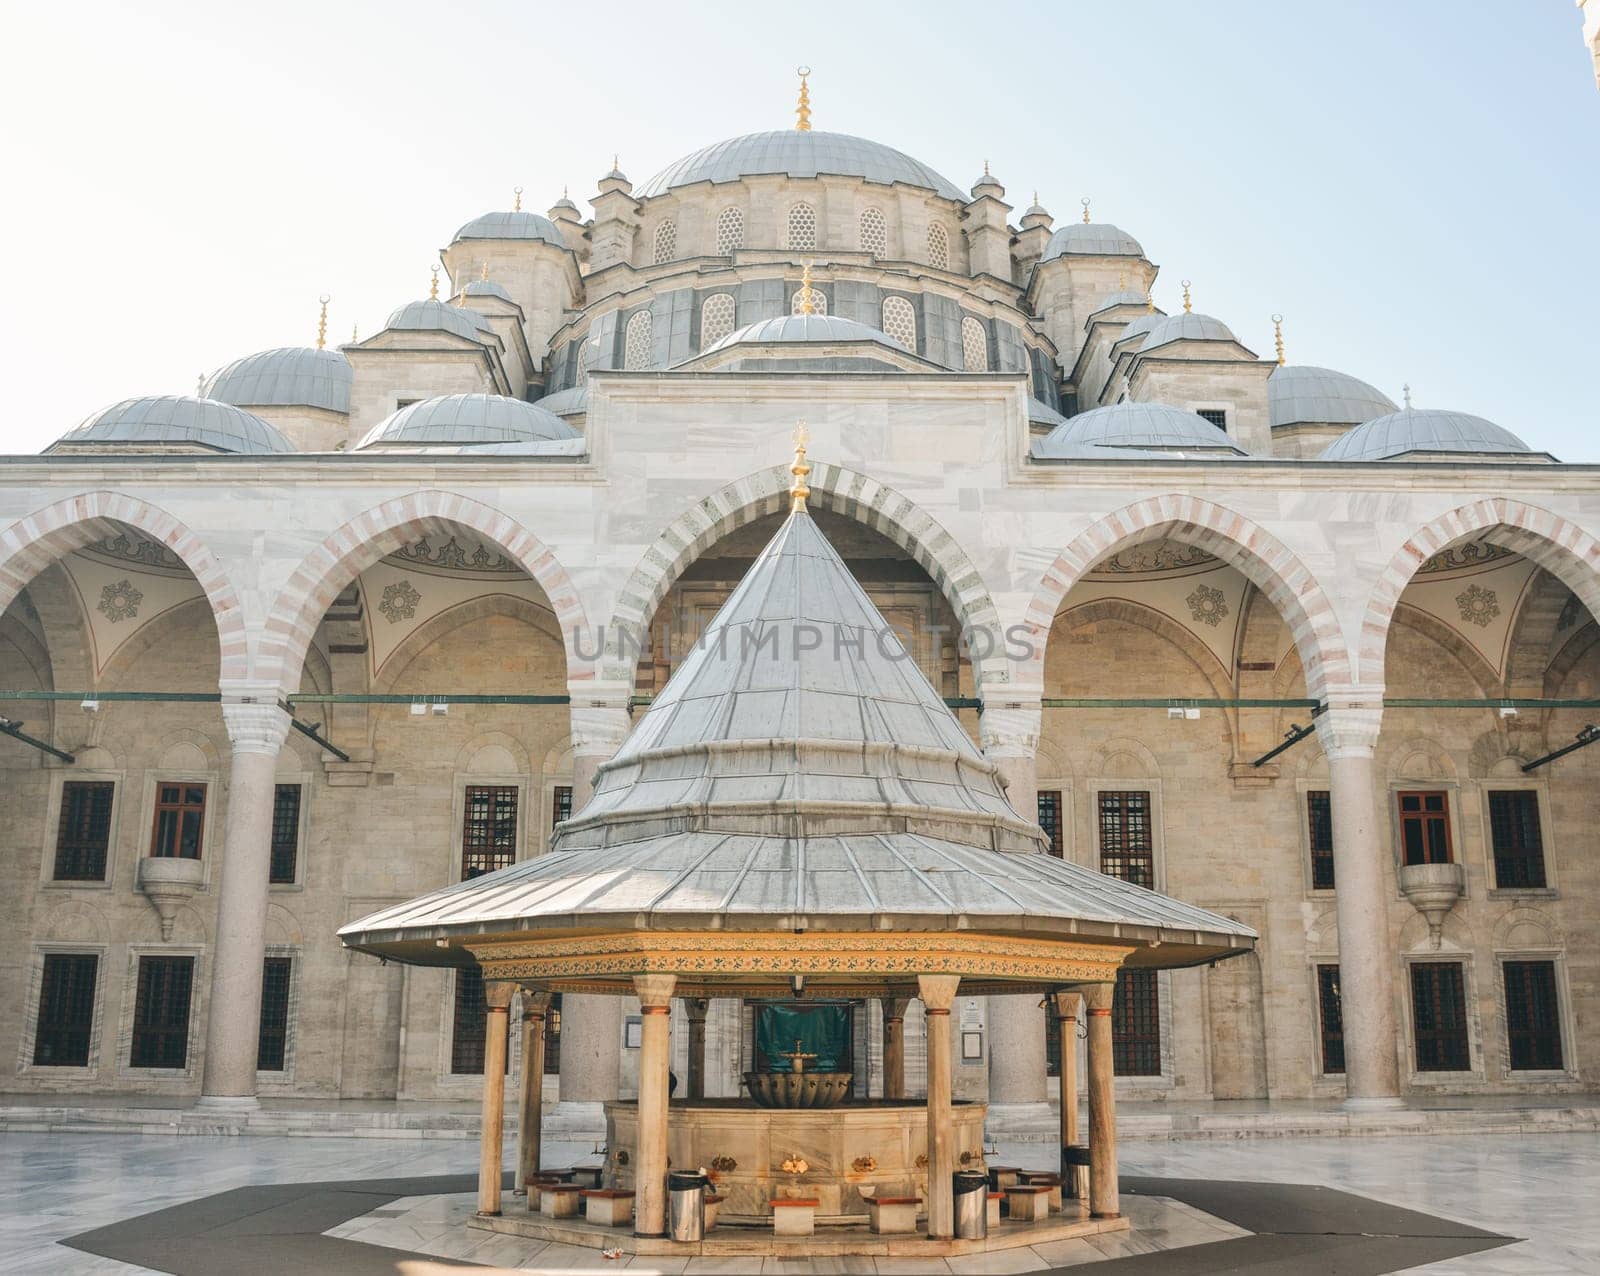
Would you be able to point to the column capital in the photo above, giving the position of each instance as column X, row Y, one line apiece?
column 1066, row 1003
column 498, row 993
column 938, row 992
column 598, row 719
column 697, row 1008
column 535, row 1002
column 1349, row 726
column 1008, row 725
column 255, row 725
column 655, row 990
column 1097, row 998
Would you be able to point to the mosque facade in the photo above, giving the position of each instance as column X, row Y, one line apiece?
column 351, row 624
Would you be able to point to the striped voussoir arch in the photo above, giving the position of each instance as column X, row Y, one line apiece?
column 33, row 542
column 382, row 530
column 1227, row 535
column 833, row 488
column 1561, row 547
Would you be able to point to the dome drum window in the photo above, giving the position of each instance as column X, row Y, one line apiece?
column 874, row 232
column 730, row 231
column 803, row 227
column 666, row 242
column 900, row 321
column 938, row 247
column 974, row 346
column 716, row 319
column 638, row 344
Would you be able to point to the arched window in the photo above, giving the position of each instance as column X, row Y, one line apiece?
column 874, row 232
column 900, row 321
column 819, row 301
column 803, row 227
column 730, row 231
column 666, row 241
column 716, row 319
column 974, row 346
column 938, row 247
column 637, row 348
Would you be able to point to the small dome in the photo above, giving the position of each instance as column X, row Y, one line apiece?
column 792, row 153
column 1098, row 239
column 1186, row 327
column 573, row 401
column 1127, row 297
column 1041, row 413
column 433, row 315
column 293, row 376
column 511, row 225
column 466, row 420
column 797, row 329
column 1301, row 394
column 1136, row 426
column 1142, row 325
column 987, row 181
column 563, row 205
column 176, row 420
column 486, row 288
column 1423, row 430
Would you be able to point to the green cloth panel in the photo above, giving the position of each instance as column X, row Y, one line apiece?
column 822, row 1030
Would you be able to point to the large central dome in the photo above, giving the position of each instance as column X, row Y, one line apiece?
column 797, row 153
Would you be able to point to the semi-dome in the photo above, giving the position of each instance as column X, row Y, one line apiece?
column 293, row 376
column 1186, row 327
column 793, row 153
column 466, row 420
column 1414, row 431
column 797, row 329
column 573, row 401
column 1300, row 394
column 511, row 224
column 1135, row 426
column 433, row 315
column 176, row 420
column 1095, row 239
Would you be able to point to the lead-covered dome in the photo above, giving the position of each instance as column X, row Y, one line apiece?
column 573, row 401
column 1141, row 427
column 433, row 315
column 168, row 421
column 805, row 329
column 512, row 224
column 793, row 153
column 1091, row 239
column 292, row 376
column 1423, row 431
column 1186, row 327
column 466, row 420
column 1300, row 394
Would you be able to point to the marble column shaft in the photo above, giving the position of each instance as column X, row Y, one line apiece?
column 1066, row 1012
column 530, row 1109
column 1103, row 1194
column 655, row 1054
column 491, row 1142
column 938, row 992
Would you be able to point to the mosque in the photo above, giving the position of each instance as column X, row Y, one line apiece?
column 351, row 624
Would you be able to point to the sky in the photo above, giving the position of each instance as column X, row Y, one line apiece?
column 1415, row 186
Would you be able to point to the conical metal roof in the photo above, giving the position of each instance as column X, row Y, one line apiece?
column 798, row 773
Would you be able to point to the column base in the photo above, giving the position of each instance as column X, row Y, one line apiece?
column 575, row 1121
column 1025, row 1122
column 228, row 1102
column 1376, row 1104
column 1113, row 1214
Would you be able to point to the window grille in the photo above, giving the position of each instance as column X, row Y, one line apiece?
column 1050, row 819
column 900, row 321
column 1331, row 1017
column 1517, row 839
column 1217, row 416
column 285, row 834
column 272, row 1040
column 161, row 1013
column 938, row 247
column 819, row 301
column 488, row 830
column 874, row 232
column 730, row 231
column 83, row 836
column 66, row 1010
column 1439, row 1017
column 803, row 227
column 974, row 346
column 1533, row 1018
column 1136, row 1025
column 716, row 319
column 638, row 351
column 666, row 242
column 1319, row 836
column 1126, row 848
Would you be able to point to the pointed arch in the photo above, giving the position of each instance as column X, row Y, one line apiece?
column 1554, row 543
column 33, row 542
column 368, row 537
column 1227, row 535
column 833, row 488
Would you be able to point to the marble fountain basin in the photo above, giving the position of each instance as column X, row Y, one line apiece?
column 798, row 1089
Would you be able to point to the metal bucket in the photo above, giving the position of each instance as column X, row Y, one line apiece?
column 970, row 1192
column 686, row 1205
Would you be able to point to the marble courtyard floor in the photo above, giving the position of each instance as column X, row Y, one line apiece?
column 1196, row 1207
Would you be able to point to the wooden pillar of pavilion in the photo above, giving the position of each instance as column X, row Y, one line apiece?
column 894, row 1047
column 655, row 1054
column 697, row 1008
column 1066, row 1007
column 535, row 1006
column 1103, row 1198
column 938, row 993
column 496, row 1034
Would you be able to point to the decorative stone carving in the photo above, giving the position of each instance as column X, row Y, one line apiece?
column 1433, row 890
column 1207, row 605
column 399, row 602
column 120, row 602
column 1455, row 557
column 168, row 883
column 1478, row 605
column 451, row 556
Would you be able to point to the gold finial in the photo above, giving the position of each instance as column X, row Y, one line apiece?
column 516, row 203
column 801, row 469
column 1149, row 301
column 1122, row 280
column 986, row 172
column 616, row 161
column 1406, row 390
column 355, row 333
column 483, row 275
column 322, row 322
column 1035, row 199
column 808, row 305
column 1188, row 306
column 433, row 289
column 802, row 122
column 1277, row 336
column 1085, row 202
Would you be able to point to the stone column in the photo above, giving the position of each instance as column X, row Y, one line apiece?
column 591, row 1026
column 655, row 1053
column 938, row 992
column 697, row 1008
column 1103, row 1202
column 256, row 728
column 491, row 1141
column 530, row 1109
column 894, row 1047
column 1348, row 735
column 1066, row 1010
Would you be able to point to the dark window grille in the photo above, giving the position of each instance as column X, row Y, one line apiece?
column 1517, row 838
column 1332, row 1019
column 66, row 1010
column 1533, row 1016
column 552, row 1037
column 560, row 805
column 1319, row 827
column 1217, row 416
column 285, row 835
column 161, row 1013
column 1439, row 1017
column 1050, row 819
column 469, row 1028
column 1425, row 827
column 83, row 837
column 1052, row 1039
column 1136, row 1025
column 489, row 830
column 1125, row 846
column 180, row 821
column 272, row 1041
